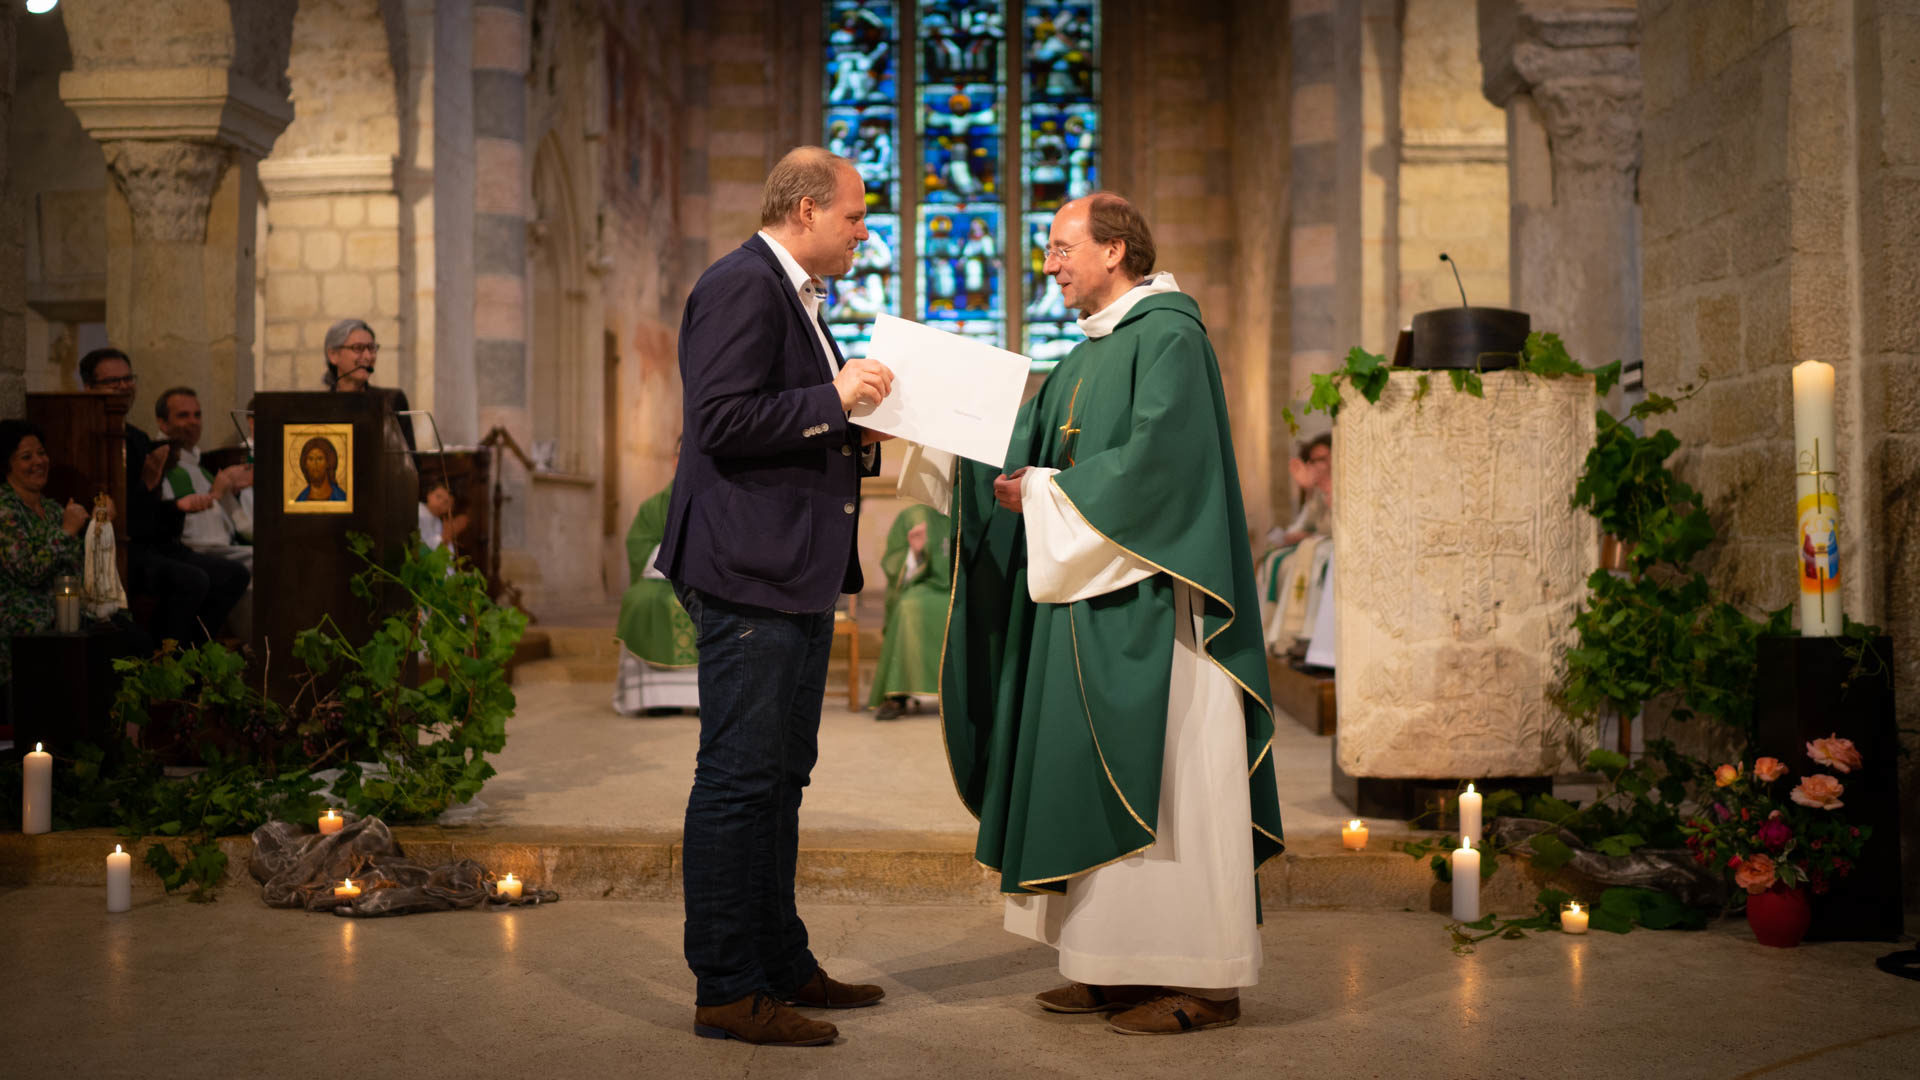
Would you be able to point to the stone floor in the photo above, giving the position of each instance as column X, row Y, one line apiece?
column 593, row 989
column 571, row 760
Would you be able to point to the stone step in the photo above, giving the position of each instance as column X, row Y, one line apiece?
column 837, row 866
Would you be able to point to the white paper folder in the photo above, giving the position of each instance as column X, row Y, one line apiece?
column 950, row 393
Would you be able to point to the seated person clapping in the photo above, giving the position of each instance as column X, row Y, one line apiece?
column 440, row 523
column 39, row 539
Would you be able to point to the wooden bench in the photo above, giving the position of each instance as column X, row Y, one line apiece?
column 1306, row 697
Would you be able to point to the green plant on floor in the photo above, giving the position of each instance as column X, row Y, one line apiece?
column 356, row 704
column 1617, row 911
column 1543, row 355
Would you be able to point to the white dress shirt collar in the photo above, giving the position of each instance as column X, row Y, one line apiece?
column 812, row 291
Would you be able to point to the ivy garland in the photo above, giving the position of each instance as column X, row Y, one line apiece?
column 355, row 706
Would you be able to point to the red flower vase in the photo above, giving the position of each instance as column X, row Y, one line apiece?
column 1780, row 916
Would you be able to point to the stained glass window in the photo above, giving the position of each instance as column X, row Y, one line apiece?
column 933, row 132
column 862, row 124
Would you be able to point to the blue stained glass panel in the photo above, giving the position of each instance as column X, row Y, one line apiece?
column 863, row 47
column 960, row 136
column 865, row 136
column 1059, row 152
column 871, row 288
column 962, row 41
column 960, row 267
column 1061, row 38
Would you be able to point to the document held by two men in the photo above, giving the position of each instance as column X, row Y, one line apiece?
column 949, row 393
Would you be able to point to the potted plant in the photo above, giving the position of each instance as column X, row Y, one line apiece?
column 1778, row 839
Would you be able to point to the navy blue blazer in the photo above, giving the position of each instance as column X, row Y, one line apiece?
column 766, row 498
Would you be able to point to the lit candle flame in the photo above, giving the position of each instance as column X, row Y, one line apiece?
column 508, row 879
column 1354, row 824
column 1574, row 908
column 346, row 883
column 39, row 748
column 1466, row 843
column 1469, row 788
column 330, row 814
column 116, row 849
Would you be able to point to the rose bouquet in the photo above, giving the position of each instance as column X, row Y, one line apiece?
column 1766, row 829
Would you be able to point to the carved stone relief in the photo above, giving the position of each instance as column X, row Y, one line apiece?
column 169, row 185
column 1460, row 568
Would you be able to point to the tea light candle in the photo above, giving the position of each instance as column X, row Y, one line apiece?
column 119, row 880
column 36, row 792
column 507, row 888
column 1573, row 918
column 331, row 822
column 1353, row 835
column 1470, row 801
column 1466, row 882
column 346, row 890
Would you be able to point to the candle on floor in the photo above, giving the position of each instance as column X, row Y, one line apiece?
column 346, row 890
column 1470, row 801
column 1466, row 882
column 1573, row 918
column 36, row 792
column 507, row 888
column 119, row 880
column 331, row 822
column 1353, row 835
column 1817, row 503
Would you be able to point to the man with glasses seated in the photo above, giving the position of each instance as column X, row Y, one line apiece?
column 352, row 354
column 195, row 591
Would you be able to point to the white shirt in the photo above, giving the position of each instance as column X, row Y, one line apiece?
column 812, row 291
column 211, row 527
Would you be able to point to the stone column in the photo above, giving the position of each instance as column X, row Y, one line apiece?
column 1569, row 78
column 501, row 172
column 185, row 98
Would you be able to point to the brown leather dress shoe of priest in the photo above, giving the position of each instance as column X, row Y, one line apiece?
column 759, row 1019
column 1173, row 1013
column 1078, row 997
column 823, row 991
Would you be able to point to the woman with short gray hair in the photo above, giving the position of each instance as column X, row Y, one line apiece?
column 352, row 354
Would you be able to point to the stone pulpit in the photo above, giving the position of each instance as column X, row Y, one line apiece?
column 325, row 465
column 1461, row 565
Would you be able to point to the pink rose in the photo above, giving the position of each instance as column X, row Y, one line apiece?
column 1755, row 874
column 1819, row 791
column 1767, row 770
column 1835, row 753
column 1773, row 833
column 1726, row 775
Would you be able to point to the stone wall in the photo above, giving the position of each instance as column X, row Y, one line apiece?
column 1778, row 200
column 13, row 256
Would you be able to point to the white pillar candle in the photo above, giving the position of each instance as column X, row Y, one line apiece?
column 1353, row 835
column 1573, row 919
column 1466, row 882
column 119, row 880
column 36, row 792
column 507, row 888
column 66, row 613
column 1470, row 814
column 1817, row 504
column 331, row 822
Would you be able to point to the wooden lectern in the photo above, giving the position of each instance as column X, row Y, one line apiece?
column 325, row 465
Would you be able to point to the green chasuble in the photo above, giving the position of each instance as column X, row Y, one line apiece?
column 653, row 625
column 916, row 607
column 1055, row 714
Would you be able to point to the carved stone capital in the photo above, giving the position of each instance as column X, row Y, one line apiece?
column 169, row 185
column 1593, row 126
column 1582, row 68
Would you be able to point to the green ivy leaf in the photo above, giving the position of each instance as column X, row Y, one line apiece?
column 1466, row 381
column 1550, row 852
column 1622, row 844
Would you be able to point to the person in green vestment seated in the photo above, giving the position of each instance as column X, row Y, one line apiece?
column 658, row 663
column 1104, row 692
column 919, row 568
column 1294, row 572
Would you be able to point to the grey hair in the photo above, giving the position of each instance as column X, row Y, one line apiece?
column 337, row 335
column 807, row 172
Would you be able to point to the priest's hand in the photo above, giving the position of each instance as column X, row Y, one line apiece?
column 863, row 379
column 1006, row 489
column 154, row 468
column 193, row 504
column 917, row 539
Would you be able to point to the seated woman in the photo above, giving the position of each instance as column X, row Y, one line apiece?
column 39, row 539
column 919, row 567
column 659, row 663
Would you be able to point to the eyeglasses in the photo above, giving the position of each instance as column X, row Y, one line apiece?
column 117, row 380
column 368, row 349
column 1059, row 251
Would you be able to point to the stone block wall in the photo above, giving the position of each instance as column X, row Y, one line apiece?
column 13, row 256
column 1780, row 214
column 330, row 257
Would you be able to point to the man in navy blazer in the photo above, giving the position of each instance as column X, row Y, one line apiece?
column 761, row 539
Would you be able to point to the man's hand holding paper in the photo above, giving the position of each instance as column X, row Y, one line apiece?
column 947, row 392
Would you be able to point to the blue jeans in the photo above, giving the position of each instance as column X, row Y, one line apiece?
column 763, row 675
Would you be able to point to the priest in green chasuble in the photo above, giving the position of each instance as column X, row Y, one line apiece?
column 1104, row 691
column 919, row 568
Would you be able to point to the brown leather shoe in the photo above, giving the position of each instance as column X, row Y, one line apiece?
column 1076, row 997
column 823, row 991
column 759, row 1019
column 1172, row 1013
